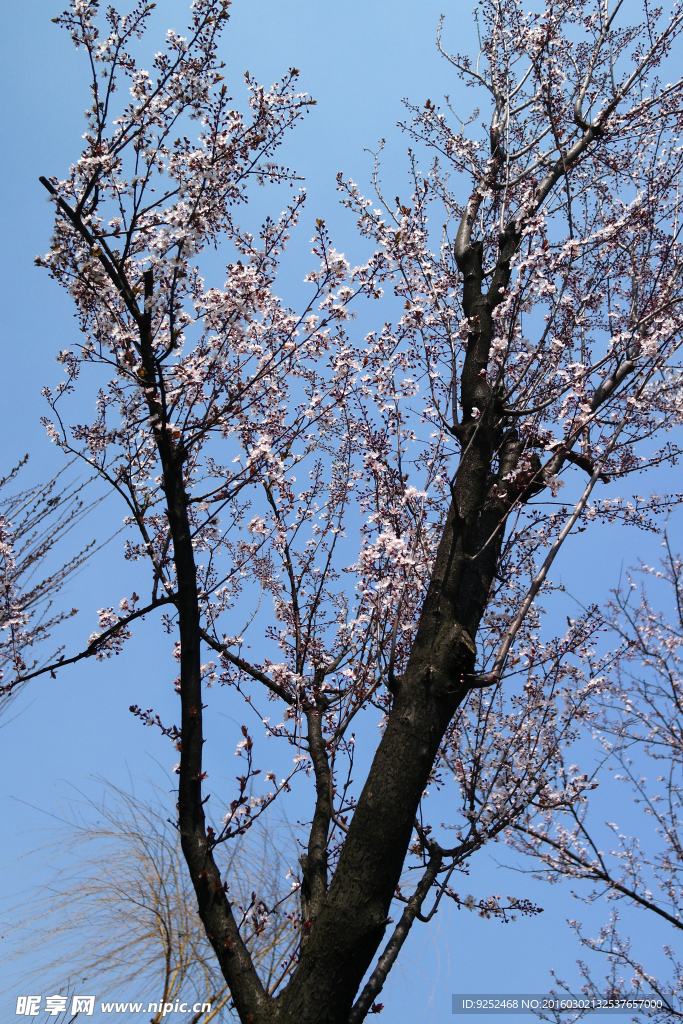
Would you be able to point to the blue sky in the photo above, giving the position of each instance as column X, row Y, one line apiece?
column 358, row 60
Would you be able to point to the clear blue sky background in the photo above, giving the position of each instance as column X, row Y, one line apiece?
column 358, row 59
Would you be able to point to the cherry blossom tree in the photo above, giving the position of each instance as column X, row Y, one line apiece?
column 535, row 346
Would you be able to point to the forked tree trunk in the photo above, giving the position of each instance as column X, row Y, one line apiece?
column 352, row 919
